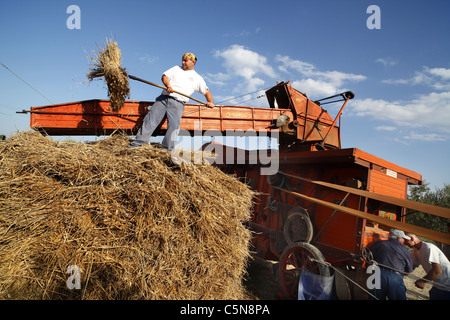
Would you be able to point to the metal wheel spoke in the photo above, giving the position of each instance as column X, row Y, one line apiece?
column 294, row 259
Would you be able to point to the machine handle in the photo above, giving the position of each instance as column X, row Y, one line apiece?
column 162, row 87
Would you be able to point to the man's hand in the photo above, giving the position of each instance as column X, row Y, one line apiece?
column 209, row 98
column 420, row 283
column 433, row 274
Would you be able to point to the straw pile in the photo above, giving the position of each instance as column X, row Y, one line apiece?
column 136, row 224
column 107, row 64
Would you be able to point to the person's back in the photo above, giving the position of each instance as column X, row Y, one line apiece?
column 393, row 259
column 392, row 254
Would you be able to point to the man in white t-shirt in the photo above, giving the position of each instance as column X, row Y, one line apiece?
column 182, row 79
column 435, row 264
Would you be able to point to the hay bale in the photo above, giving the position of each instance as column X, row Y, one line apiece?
column 107, row 64
column 137, row 225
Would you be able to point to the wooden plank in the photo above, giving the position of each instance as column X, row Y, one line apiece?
column 97, row 116
column 382, row 183
column 405, row 203
column 386, row 164
column 427, row 233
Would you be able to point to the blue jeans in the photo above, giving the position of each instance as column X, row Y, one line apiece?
column 438, row 294
column 392, row 286
column 163, row 106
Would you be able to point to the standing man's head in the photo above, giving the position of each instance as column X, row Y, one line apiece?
column 415, row 242
column 399, row 235
column 188, row 61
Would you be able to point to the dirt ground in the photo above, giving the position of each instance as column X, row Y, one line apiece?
column 262, row 283
column 413, row 293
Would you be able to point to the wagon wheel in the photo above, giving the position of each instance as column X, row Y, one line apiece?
column 366, row 255
column 298, row 226
column 296, row 257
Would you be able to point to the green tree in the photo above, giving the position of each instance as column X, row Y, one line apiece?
column 439, row 197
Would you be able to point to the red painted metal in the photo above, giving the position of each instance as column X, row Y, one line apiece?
column 344, row 221
column 335, row 166
column 310, row 123
column 93, row 117
column 306, row 126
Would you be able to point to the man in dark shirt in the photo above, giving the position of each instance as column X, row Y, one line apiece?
column 393, row 259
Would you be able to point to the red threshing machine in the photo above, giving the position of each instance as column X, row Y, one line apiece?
column 323, row 205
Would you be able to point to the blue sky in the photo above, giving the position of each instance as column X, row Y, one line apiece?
column 399, row 73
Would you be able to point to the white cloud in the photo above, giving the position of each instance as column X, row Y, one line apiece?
column 219, row 79
column 431, row 111
column 252, row 71
column 387, row 62
column 396, row 81
column 287, row 63
column 315, row 82
column 440, row 72
column 255, row 72
column 148, row 58
column 436, row 78
column 429, row 137
column 386, row 128
column 315, row 88
column 242, row 62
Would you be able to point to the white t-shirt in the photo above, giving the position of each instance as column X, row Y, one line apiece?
column 428, row 254
column 184, row 81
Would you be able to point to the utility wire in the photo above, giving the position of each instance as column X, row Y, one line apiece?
column 371, row 261
column 26, row 83
column 258, row 97
column 243, row 96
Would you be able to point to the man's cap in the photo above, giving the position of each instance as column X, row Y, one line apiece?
column 395, row 233
column 190, row 56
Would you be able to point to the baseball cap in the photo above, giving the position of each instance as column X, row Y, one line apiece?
column 395, row 233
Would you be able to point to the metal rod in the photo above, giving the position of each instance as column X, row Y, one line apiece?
column 162, row 87
column 336, row 95
column 427, row 233
column 337, row 117
column 419, row 206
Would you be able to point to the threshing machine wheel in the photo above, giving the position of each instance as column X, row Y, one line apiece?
column 296, row 257
column 366, row 255
column 298, row 226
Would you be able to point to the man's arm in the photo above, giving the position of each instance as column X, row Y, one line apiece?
column 210, row 99
column 166, row 81
column 433, row 274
